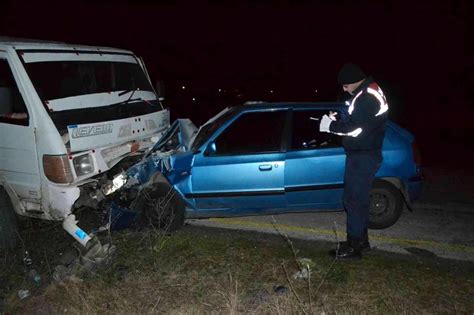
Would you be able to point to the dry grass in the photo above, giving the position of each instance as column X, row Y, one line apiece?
column 211, row 271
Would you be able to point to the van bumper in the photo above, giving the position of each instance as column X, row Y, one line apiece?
column 61, row 200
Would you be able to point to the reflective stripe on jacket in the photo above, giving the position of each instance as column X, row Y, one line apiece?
column 364, row 124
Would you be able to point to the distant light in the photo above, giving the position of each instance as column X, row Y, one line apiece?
column 194, row 99
column 183, row 87
column 271, row 91
column 315, row 91
column 219, row 90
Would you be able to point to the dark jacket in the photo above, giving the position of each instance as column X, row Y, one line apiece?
column 364, row 123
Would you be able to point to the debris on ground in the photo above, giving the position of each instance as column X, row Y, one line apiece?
column 23, row 294
column 306, row 262
column 31, row 273
column 302, row 274
column 96, row 256
column 280, row 289
column 306, row 266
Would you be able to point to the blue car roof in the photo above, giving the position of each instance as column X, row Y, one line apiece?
column 296, row 105
column 258, row 105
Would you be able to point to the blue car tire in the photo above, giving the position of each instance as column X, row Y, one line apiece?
column 160, row 207
column 386, row 205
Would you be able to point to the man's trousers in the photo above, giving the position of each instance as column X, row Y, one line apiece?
column 360, row 170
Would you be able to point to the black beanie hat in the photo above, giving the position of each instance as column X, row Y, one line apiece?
column 350, row 73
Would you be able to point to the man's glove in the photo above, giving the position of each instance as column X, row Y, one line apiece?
column 325, row 122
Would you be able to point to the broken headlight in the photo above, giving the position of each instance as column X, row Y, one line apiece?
column 118, row 182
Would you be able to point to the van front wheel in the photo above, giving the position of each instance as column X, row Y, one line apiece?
column 8, row 223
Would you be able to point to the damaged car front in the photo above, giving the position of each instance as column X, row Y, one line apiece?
column 148, row 193
column 153, row 192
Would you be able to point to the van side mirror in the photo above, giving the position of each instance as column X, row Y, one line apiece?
column 160, row 89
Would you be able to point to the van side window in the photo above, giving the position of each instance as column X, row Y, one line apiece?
column 12, row 106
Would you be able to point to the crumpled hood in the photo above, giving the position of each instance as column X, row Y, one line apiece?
column 185, row 130
column 171, row 154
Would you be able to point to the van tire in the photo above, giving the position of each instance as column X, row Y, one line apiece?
column 160, row 206
column 8, row 223
column 386, row 205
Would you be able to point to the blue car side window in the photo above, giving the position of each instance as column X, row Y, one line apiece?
column 305, row 131
column 253, row 132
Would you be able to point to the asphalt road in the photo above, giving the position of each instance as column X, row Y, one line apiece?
column 441, row 225
column 428, row 231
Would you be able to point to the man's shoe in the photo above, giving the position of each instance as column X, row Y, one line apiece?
column 346, row 251
column 364, row 245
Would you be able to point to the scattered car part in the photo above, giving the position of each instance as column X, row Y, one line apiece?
column 90, row 259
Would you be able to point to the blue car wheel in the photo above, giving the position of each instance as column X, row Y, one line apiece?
column 386, row 205
column 160, row 207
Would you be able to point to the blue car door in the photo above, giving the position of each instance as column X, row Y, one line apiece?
column 314, row 170
column 242, row 170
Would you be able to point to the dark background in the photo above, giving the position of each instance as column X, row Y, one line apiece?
column 421, row 53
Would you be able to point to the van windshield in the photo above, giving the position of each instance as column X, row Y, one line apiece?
column 61, row 79
column 82, row 87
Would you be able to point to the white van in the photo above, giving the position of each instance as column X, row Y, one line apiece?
column 68, row 114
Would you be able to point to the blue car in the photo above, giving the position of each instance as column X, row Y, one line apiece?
column 259, row 159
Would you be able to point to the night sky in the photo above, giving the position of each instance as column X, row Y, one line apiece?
column 421, row 53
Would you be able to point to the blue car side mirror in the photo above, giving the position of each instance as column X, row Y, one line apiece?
column 211, row 148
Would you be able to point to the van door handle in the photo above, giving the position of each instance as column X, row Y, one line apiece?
column 265, row 167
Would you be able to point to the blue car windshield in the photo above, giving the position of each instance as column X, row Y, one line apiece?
column 208, row 130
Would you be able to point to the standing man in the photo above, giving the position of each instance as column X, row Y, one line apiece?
column 363, row 129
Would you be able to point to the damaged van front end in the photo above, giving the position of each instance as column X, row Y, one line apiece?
column 150, row 192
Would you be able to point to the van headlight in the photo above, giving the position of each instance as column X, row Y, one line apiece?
column 83, row 165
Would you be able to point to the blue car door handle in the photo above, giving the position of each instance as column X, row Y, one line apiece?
column 265, row 167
